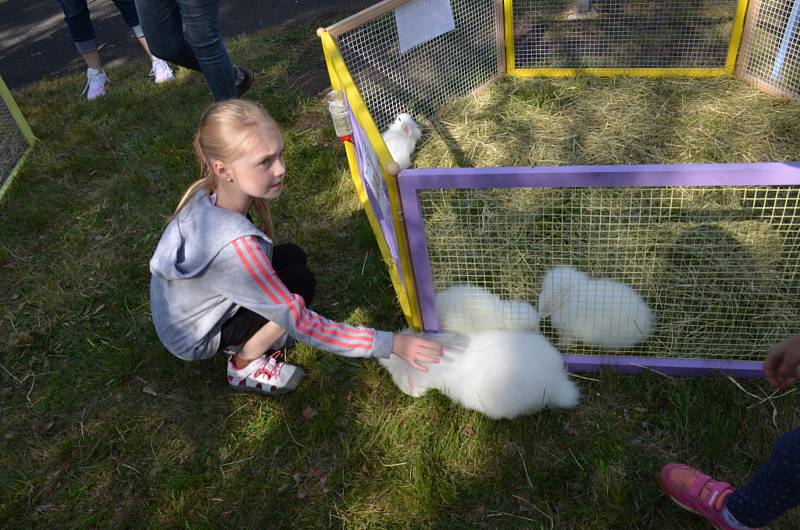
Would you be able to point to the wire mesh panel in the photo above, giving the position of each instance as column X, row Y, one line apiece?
column 420, row 79
column 622, row 33
column 770, row 53
column 13, row 143
column 664, row 272
column 369, row 171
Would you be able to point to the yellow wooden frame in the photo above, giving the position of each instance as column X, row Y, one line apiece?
column 341, row 80
column 728, row 69
column 22, row 124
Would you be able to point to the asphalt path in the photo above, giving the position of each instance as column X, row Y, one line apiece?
column 35, row 43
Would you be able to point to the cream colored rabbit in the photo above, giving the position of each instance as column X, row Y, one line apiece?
column 502, row 374
column 401, row 139
column 470, row 309
column 597, row 312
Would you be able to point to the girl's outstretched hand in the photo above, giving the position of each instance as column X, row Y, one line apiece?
column 415, row 350
column 782, row 365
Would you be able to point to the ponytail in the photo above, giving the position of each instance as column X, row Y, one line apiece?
column 207, row 180
column 262, row 209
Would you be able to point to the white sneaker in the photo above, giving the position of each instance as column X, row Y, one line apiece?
column 265, row 375
column 161, row 71
column 95, row 83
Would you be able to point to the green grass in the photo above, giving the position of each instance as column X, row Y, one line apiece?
column 83, row 445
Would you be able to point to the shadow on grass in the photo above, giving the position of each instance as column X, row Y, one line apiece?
column 102, row 427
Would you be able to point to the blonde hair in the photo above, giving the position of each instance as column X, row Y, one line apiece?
column 225, row 133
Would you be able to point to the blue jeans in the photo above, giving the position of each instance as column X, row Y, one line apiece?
column 79, row 23
column 187, row 32
column 774, row 489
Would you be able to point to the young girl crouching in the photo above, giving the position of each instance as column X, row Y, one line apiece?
column 220, row 285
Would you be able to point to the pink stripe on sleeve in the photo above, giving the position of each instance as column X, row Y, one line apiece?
column 306, row 321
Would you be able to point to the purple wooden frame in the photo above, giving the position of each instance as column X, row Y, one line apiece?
column 411, row 181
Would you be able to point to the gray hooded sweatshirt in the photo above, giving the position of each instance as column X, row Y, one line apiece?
column 210, row 262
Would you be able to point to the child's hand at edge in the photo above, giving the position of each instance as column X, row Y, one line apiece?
column 414, row 350
column 782, row 362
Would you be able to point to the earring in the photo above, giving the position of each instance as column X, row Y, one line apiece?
column 230, row 179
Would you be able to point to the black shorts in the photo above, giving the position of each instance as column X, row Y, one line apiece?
column 289, row 262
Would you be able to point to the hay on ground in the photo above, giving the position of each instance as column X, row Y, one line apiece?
column 717, row 265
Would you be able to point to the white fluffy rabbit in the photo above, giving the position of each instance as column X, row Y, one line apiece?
column 501, row 374
column 597, row 312
column 401, row 139
column 469, row 309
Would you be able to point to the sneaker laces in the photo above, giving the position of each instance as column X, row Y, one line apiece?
column 158, row 66
column 272, row 367
column 95, row 79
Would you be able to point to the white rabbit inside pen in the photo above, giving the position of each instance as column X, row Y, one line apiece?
column 468, row 308
column 502, row 374
column 596, row 312
column 401, row 139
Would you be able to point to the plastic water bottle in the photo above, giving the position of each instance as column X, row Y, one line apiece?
column 340, row 116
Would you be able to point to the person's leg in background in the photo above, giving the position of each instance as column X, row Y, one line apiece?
column 159, row 69
column 79, row 24
column 774, row 489
column 187, row 32
column 203, row 34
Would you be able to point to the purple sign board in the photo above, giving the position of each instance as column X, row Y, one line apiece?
column 371, row 175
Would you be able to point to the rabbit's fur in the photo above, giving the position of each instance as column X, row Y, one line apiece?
column 401, row 139
column 597, row 312
column 502, row 374
column 469, row 309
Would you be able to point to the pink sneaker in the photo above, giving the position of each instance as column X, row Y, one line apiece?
column 265, row 375
column 698, row 493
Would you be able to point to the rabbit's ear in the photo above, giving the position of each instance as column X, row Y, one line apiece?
column 406, row 129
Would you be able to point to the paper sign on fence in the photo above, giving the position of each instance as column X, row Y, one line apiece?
column 419, row 21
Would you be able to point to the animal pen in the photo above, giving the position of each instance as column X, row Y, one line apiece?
column 713, row 248
column 16, row 138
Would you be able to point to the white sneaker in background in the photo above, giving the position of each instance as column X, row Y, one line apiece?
column 161, row 71
column 95, row 83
